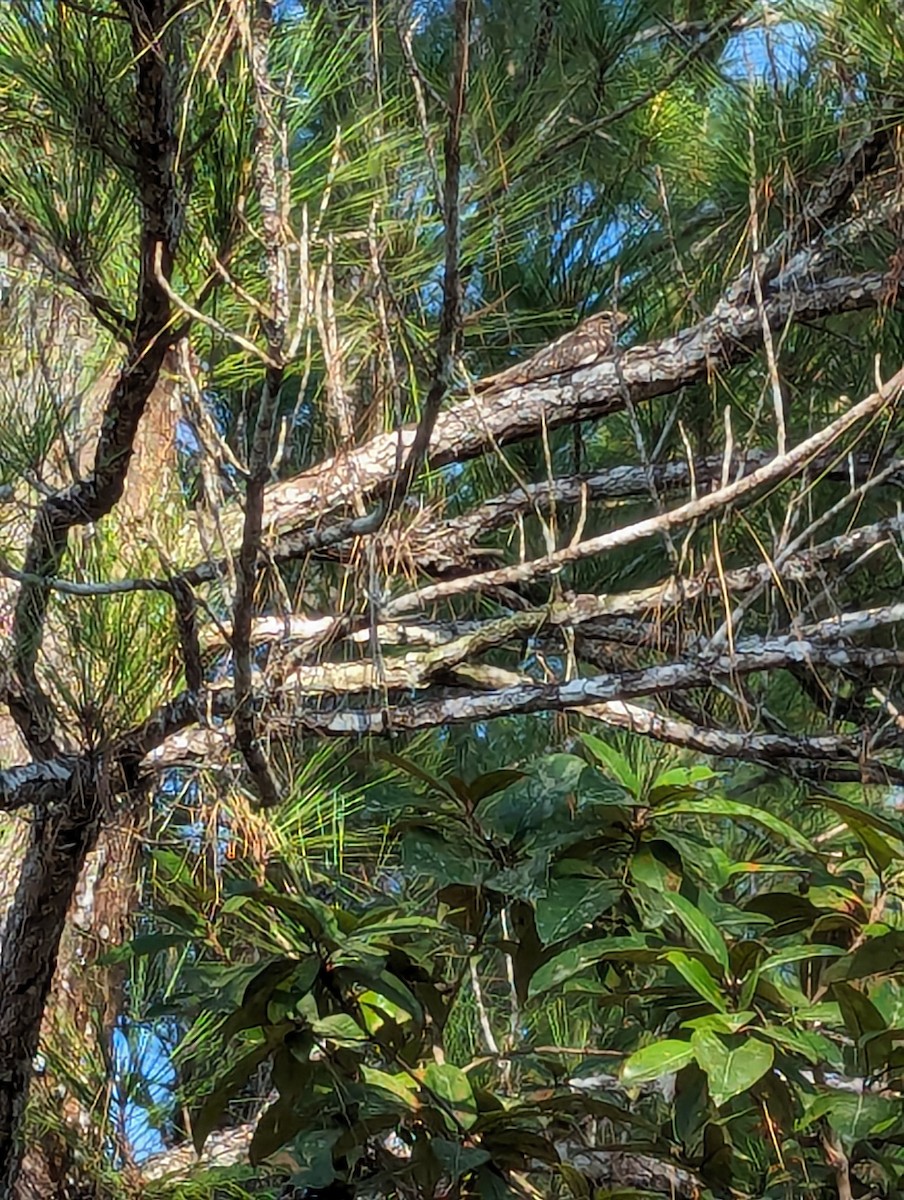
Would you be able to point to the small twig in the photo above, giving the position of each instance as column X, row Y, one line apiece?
column 780, row 469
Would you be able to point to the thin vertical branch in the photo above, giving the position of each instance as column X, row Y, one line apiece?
column 450, row 315
column 270, row 183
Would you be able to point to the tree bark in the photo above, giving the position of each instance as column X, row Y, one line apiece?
column 59, row 842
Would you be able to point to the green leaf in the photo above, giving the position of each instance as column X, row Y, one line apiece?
column 457, row 1160
column 491, row 1185
column 428, row 853
column 853, row 1115
column 401, row 1085
column 875, row 846
column 647, row 868
column 683, row 777
column 539, row 803
column 575, row 1182
column 858, row 814
column 699, row 926
column 144, row 946
column 634, row 948
column 865, row 1024
column 572, row 902
column 716, row 806
column 341, row 1029
column 614, row 762
column 730, row 1072
column 795, row 954
column 256, row 999
column 652, row 1062
column 695, row 973
column 224, row 1091
column 414, row 771
column 314, row 1152
column 452, row 1086
column 880, row 955
column 277, row 1125
column 721, row 1022
column 807, row 1044
column 492, row 782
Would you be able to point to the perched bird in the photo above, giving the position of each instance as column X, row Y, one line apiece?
column 592, row 341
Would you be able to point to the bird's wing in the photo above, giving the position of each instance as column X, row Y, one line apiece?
column 569, row 352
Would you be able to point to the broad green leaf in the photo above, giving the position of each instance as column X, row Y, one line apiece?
column 277, row 1125
column 375, row 1009
column 683, row 777
column 400, row 1085
column 457, row 1160
column 253, row 1010
column 652, row 1062
column 225, row 1090
column 859, row 1013
column 614, row 762
column 695, row 973
column 339, row 1028
column 699, row 926
column 716, row 806
column 444, row 860
column 492, row 782
column 866, row 1025
column 730, row 1072
column 861, row 815
column 541, row 803
column 648, row 869
column 853, row 1115
column 377, row 925
column 397, row 997
column 452, row 1086
column 316, row 918
column 144, row 946
column 807, row 1044
column 875, row 846
column 572, row 902
column 634, row 948
column 795, row 954
column 879, row 955
column 576, row 1183
column 490, row 1184
column 512, row 1146
column 721, row 1022
column 313, row 1150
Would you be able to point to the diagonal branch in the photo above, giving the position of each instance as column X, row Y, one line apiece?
column 782, row 467
column 767, row 748
column 475, row 425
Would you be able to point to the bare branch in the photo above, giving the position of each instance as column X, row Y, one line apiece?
column 475, row 425
column 780, row 468
column 450, row 315
column 768, row 748
column 256, row 33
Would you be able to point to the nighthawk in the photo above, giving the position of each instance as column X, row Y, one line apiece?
column 592, row 340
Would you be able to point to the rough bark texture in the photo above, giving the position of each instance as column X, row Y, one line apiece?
column 71, row 789
column 58, row 844
column 66, row 829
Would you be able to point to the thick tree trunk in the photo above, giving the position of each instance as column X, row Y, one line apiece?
column 58, row 845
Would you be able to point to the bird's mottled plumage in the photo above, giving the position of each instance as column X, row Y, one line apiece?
column 592, row 340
